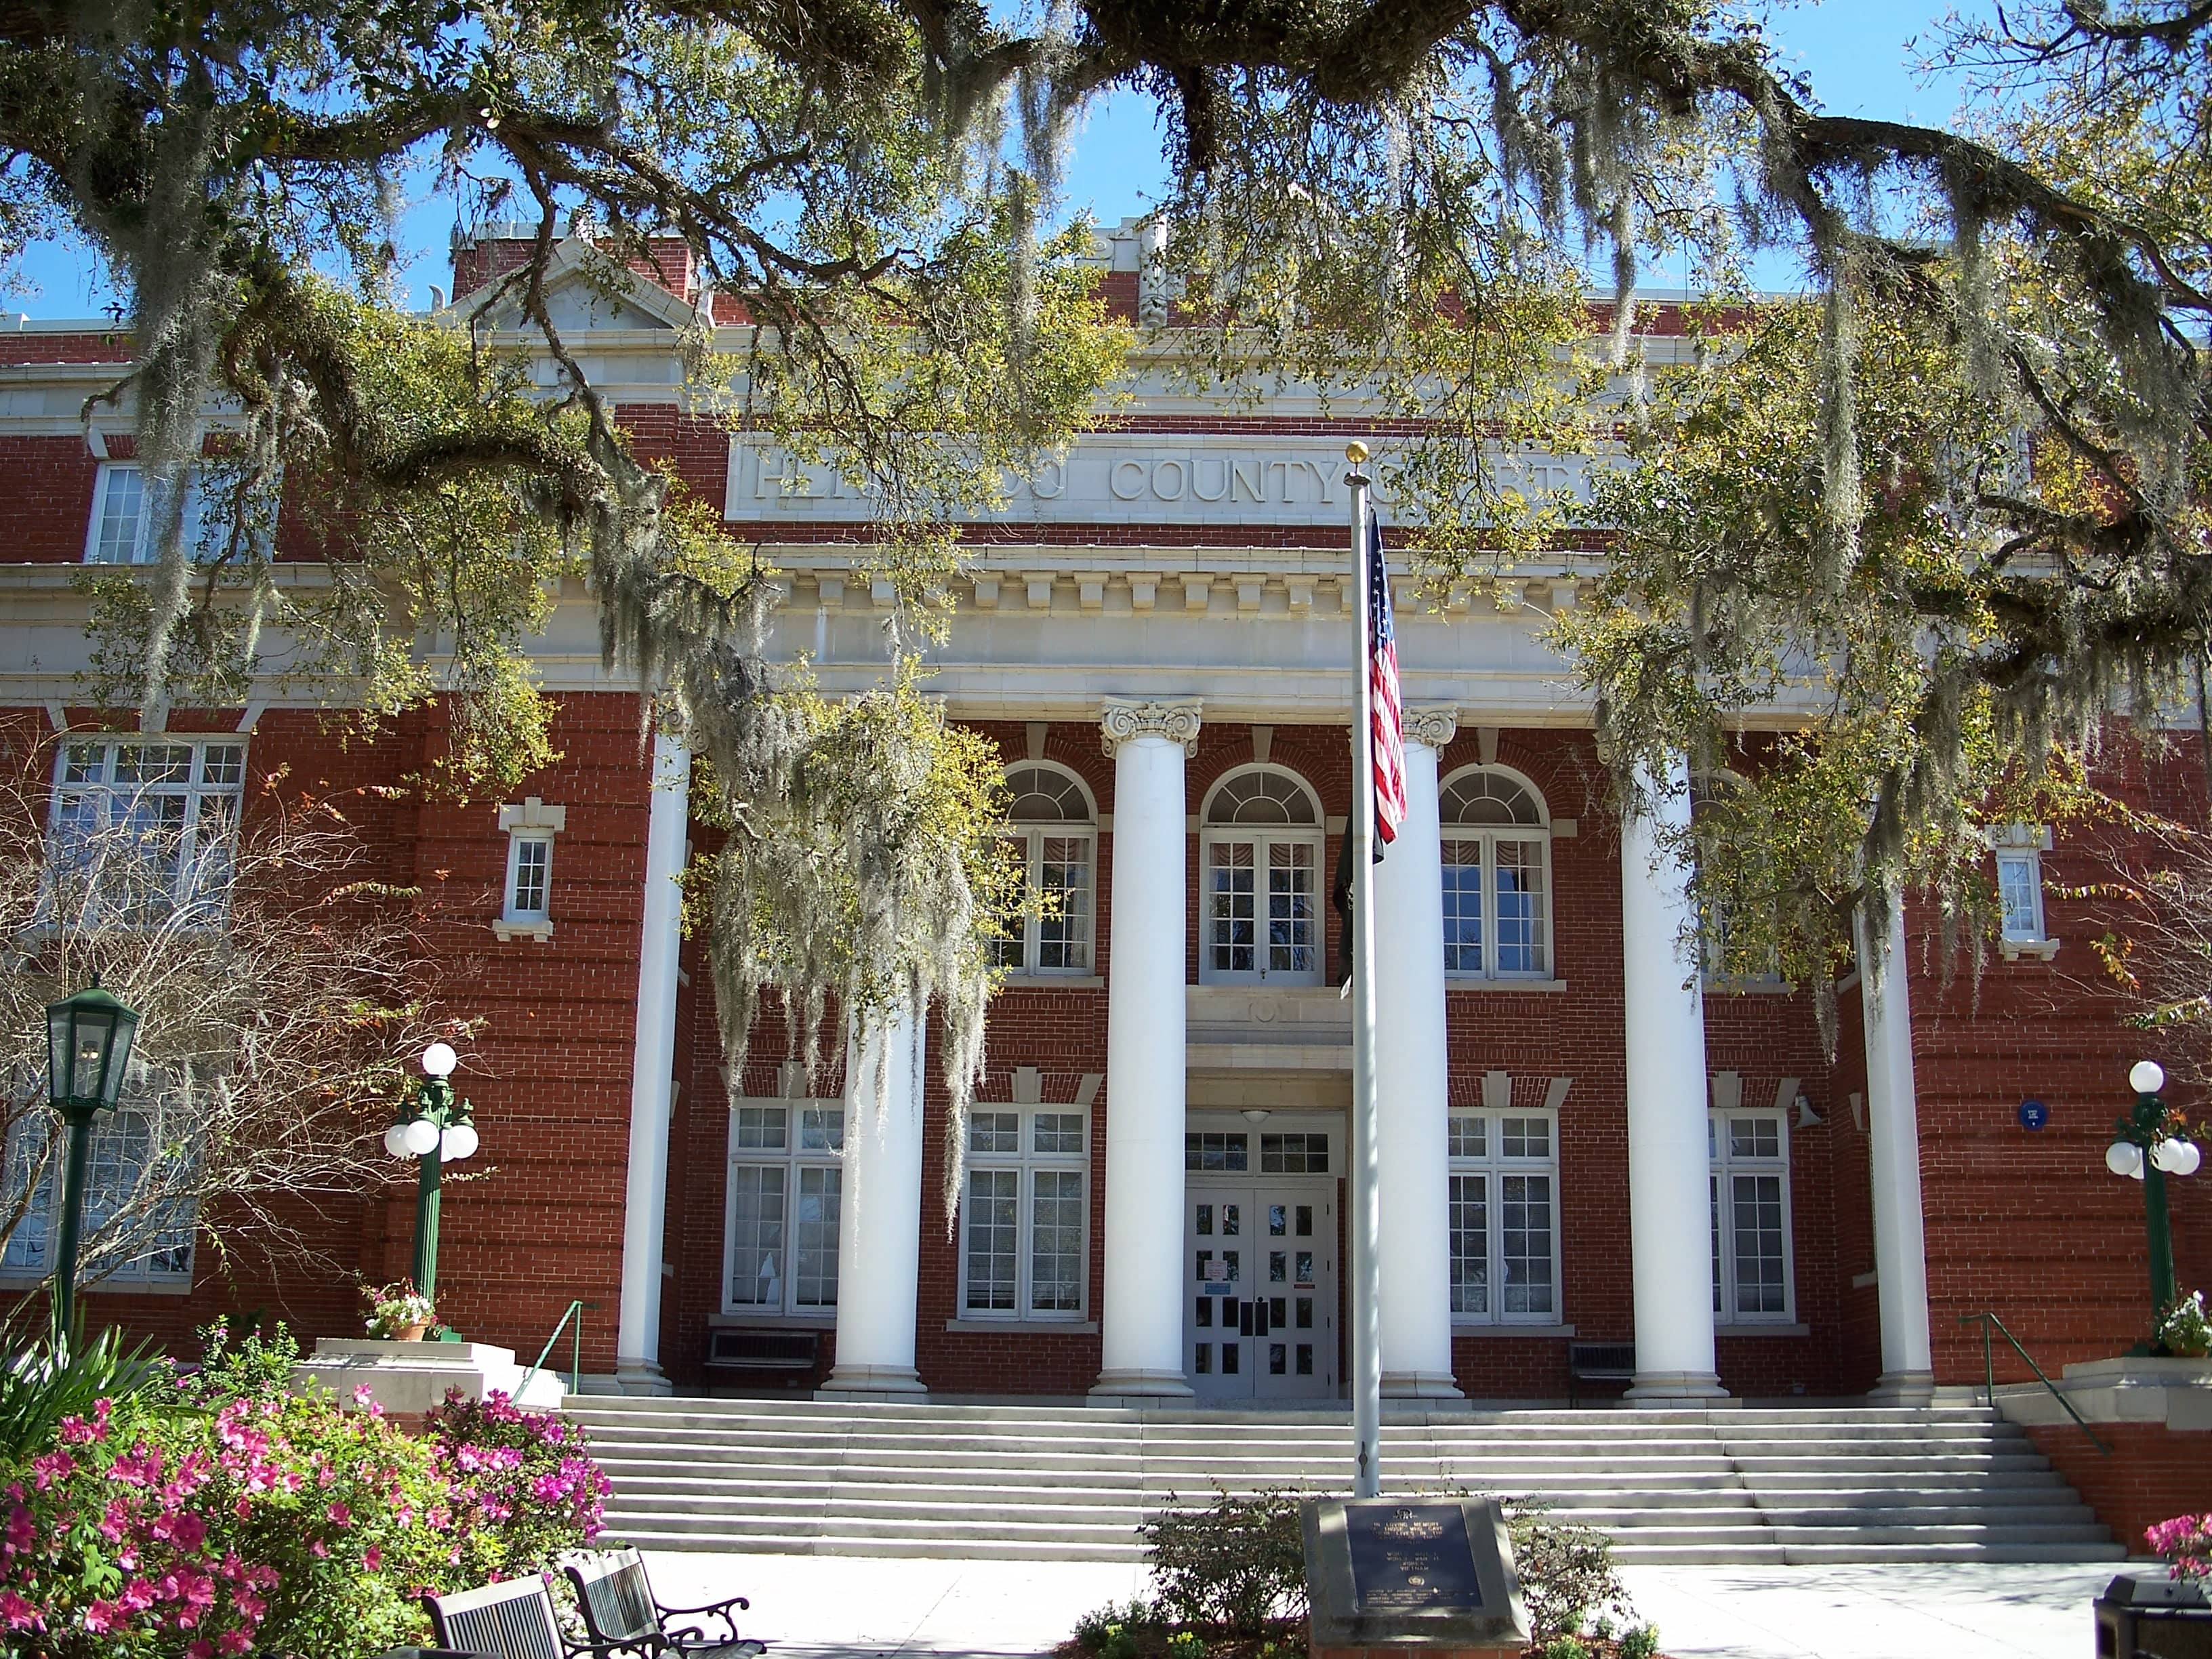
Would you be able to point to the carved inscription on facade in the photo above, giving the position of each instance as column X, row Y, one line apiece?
column 1126, row 478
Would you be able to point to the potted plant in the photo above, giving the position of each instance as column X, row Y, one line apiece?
column 399, row 1312
column 2184, row 1330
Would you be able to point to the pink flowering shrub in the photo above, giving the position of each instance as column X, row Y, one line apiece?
column 522, row 1486
column 221, row 1515
column 2186, row 1543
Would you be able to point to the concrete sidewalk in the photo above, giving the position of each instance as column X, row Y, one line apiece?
column 821, row 1605
column 1953, row 1610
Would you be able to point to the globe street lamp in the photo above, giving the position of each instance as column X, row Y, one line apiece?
column 2153, row 1144
column 89, row 1038
column 435, row 1129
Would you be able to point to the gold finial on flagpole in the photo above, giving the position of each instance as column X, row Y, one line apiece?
column 1356, row 452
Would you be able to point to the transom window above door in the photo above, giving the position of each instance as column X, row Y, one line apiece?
column 1260, row 862
column 1497, row 876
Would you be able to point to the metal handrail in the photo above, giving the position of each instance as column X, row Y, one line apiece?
column 575, row 1350
column 1989, row 1373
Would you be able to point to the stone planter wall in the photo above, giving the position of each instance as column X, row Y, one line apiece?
column 409, row 1379
column 2155, row 1414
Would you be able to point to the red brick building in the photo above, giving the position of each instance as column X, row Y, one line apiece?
column 1579, row 1143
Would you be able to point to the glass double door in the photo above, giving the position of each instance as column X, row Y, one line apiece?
column 1260, row 1311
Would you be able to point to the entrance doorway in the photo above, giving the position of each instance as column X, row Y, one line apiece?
column 1261, row 1300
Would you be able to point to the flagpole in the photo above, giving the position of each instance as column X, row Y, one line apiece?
column 1366, row 1262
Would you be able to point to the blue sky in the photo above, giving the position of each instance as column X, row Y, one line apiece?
column 1857, row 52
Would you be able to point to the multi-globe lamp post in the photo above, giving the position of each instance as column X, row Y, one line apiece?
column 2152, row 1144
column 434, row 1128
column 89, row 1039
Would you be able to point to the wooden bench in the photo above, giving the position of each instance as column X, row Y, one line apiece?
column 1598, row 1362
column 619, row 1609
column 516, row 1620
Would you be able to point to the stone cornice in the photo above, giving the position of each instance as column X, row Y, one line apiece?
column 1122, row 720
column 1432, row 728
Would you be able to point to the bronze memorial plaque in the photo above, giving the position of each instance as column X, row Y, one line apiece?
column 1409, row 1557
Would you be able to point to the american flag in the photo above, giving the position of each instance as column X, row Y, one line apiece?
column 1389, row 732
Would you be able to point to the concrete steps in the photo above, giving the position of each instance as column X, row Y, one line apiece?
column 1746, row 1487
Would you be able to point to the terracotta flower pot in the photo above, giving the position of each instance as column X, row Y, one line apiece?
column 410, row 1333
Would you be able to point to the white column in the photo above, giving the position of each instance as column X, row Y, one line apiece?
column 1140, row 1323
column 1411, row 1081
column 1900, row 1252
column 879, row 1210
column 1663, row 1014
column 645, row 1201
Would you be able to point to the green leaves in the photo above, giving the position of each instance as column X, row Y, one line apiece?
column 48, row 1376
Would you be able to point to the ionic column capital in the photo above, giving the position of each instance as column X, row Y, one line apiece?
column 1433, row 727
column 1122, row 719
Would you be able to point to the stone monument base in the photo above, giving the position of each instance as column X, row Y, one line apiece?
column 409, row 1378
column 1414, row 1647
column 1411, row 1579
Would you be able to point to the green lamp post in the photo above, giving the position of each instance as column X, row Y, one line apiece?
column 434, row 1128
column 2153, row 1144
column 89, row 1039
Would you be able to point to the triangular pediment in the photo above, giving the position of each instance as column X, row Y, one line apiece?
column 586, row 291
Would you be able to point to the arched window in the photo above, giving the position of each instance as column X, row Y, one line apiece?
column 1050, row 831
column 1262, row 850
column 1496, row 859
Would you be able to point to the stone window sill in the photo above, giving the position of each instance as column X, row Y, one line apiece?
column 1484, row 1328
column 22, row 1284
column 2043, row 949
column 1750, row 988
column 1750, row 1328
column 1054, row 983
column 540, row 930
column 1475, row 982
column 1025, row 1327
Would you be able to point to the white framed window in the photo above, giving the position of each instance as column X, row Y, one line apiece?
column 122, row 528
column 143, row 827
column 529, row 875
column 1505, row 1218
column 127, row 510
column 123, row 1144
column 2018, row 850
column 2020, row 890
column 1260, row 859
column 526, row 910
column 1052, row 833
column 1754, row 1267
column 126, row 516
column 1717, row 945
column 780, row 1220
column 1497, row 875
column 1024, row 1218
